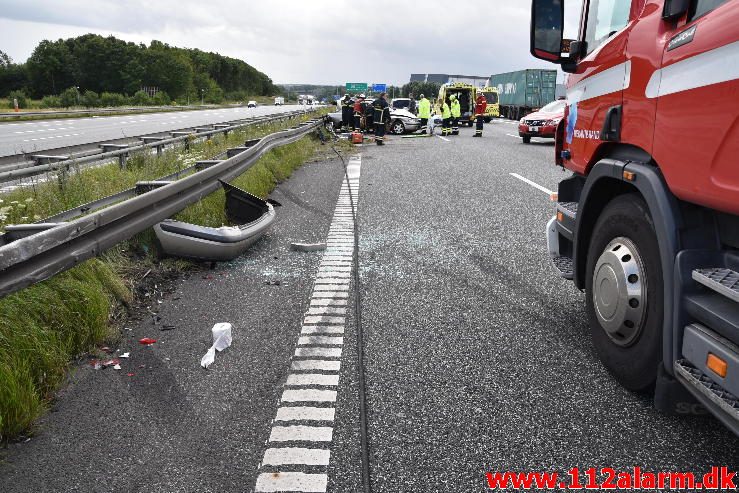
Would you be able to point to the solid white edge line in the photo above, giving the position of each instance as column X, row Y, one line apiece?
column 443, row 138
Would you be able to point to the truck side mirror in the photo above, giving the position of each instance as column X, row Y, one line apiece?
column 674, row 9
column 547, row 26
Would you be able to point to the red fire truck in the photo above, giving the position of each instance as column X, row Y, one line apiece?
column 648, row 222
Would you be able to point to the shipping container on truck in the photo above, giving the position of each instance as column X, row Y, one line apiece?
column 647, row 223
column 524, row 91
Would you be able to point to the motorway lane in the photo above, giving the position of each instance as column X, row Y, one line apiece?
column 479, row 357
column 36, row 136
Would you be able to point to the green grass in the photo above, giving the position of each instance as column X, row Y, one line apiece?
column 46, row 326
column 42, row 328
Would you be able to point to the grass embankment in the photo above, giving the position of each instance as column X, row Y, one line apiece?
column 45, row 326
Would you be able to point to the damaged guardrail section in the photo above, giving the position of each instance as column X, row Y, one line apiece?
column 42, row 255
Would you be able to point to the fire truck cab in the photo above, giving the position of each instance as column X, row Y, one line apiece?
column 648, row 222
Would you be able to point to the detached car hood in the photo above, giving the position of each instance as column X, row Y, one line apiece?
column 402, row 113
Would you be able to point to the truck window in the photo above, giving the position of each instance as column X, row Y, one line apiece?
column 605, row 17
column 491, row 97
column 701, row 7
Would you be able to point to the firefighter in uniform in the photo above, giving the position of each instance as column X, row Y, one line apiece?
column 446, row 117
column 456, row 111
column 369, row 112
column 480, row 106
column 424, row 112
column 358, row 113
column 382, row 114
column 346, row 112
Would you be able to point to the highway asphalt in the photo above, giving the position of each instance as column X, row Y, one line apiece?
column 36, row 136
column 478, row 356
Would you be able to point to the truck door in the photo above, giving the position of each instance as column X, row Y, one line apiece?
column 696, row 91
column 601, row 77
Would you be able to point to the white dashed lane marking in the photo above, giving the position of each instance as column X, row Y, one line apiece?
column 305, row 413
column 292, row 481
column 302, row 379
column 533, row 184
column 288, row 465
column 300, row 433
column 322, row 329
column 315, row 364
column 294, row 455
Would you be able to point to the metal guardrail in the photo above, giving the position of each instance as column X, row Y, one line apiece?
column 37, row 257
column 123, row 151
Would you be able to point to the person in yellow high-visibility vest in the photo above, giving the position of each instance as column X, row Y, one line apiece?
column 446, row 116
column 424, row 112
column 456, row 110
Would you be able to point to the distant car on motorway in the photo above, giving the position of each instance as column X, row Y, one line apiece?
column 401, row 121
column 542, row 123
column 251, row 104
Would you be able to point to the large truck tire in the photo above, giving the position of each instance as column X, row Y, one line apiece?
column 624, row 292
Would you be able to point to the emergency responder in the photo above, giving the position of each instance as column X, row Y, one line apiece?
column 382, row 115
column 346, row 112
column 481, row 105
column 358, row 113
column 369, row 112
column 412, row 104
column 456, row 111
column 446, row 117
column 424, row 112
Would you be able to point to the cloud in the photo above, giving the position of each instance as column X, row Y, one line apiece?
column 327, row 41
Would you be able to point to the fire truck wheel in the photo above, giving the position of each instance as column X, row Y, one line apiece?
column 624, row 292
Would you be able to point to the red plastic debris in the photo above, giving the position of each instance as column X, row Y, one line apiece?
column 147, row 340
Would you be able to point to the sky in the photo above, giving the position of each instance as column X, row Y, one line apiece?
column 293, row 41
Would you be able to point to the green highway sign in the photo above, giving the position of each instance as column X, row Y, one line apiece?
column 356, row 87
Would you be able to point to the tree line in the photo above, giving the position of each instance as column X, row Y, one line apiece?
column 107, row 65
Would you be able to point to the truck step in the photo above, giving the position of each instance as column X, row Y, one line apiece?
column 564, row 266
column 566, row 219
column 705, row 388
column 569, row 208
column 715, row 311
column 724, row 281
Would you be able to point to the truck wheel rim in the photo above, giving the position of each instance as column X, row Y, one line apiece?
column 619, row 291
